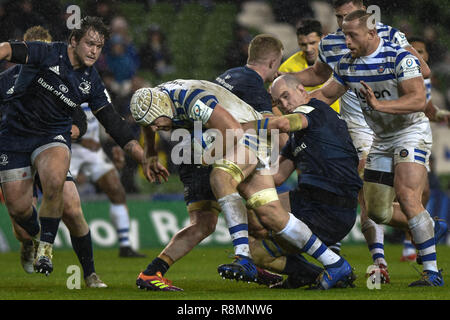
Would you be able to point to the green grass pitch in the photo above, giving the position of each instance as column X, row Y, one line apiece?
column 196, row 274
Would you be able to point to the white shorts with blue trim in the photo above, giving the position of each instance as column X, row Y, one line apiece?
column 411, row 145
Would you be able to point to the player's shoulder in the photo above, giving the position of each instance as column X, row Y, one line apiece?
column 336, row 36
column 294, row 63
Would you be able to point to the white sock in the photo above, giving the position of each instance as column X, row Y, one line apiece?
column 299, row 234
column 422, row 231
column 374, row 235
column 121, row 220
column 235, row 214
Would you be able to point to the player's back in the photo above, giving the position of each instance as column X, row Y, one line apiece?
column 248, row 85
column 196, row 99
column 324, row 152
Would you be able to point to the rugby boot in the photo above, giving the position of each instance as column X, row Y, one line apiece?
column 338, row 275
column 43, row 261
column 429, row 279
column 155, row 282
column 128, row 252
column 94, row 281
column 242, row 268
column 267, row 278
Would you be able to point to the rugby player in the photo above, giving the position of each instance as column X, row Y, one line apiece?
column 247, row 82
column 181, row 103
column 72, row 213
column 36, row 131
column 388, row 83
column 436, row 115
column 326, row 196
column 331, row 49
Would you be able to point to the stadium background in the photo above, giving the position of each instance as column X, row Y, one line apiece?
column 155, row 41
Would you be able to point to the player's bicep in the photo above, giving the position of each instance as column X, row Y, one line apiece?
column 332, row 90
column 413, row 86
column 5, row 51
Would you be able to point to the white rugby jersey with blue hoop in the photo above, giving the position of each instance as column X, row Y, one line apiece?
column 332, row 48
column 195, row 100
column 382, row 70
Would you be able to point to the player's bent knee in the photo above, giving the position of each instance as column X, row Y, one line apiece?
column 230, row 168
column 378, row 199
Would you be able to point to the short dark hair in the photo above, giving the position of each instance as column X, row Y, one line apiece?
column 338, row 3
column 310, row 25
column 87, row 23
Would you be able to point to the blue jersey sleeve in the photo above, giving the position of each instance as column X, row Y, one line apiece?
column 38, row 52
column 287, row 151
column 99, row 96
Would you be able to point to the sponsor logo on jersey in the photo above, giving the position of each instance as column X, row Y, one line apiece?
column 404, row 153
column 3, row 159
column 55, row 69
column 299, row 149
column 63, row 88
column 378, row 94
column 59, row 138
column 85, row 87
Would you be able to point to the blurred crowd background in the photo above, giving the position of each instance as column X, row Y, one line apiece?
column 155, row 41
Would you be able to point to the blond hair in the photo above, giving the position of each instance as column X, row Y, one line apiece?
column 37, row 33
column 264, row 47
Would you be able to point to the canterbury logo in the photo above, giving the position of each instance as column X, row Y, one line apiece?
column 55, row 69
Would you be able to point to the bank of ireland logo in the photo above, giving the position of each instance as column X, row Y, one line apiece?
column 63, row 88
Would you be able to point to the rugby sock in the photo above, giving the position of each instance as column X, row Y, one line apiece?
column 30, row 224
column 49, row 229
column 120, row 219
column 408, row 248
column 83, row 249
column 422, row 231
column 299, row 234
column 156, row 265
column 374, row 235
column 235, row 214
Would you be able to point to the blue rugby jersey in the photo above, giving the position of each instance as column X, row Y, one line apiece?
column 333, row 47
column 48, row 90
column 324, row 152
column 382, row 70
column 248, row 85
